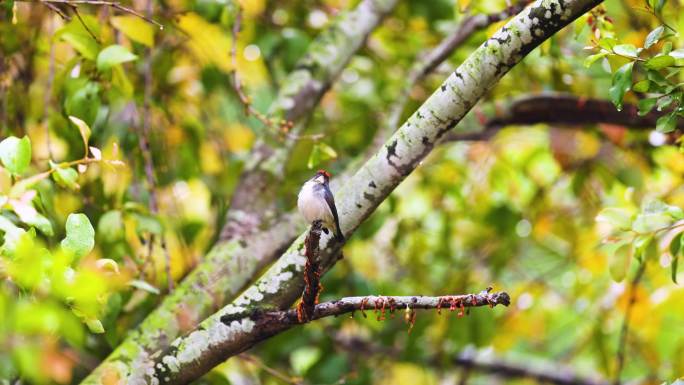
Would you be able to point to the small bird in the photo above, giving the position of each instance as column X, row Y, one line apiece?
column 316, row 203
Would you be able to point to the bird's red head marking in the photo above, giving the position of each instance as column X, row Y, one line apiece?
column 323, row 172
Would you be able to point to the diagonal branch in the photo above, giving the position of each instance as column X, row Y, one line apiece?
column 426, row 64
column 245, row 247
column 282, row 283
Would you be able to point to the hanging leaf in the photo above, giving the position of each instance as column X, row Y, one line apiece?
column 667, row 123
column 135, row 29
column 15, row 154
column 84, row 129
column 622, row 81
column 618, row 218
column 641, row 86
column 675, row 252
column 619, row 261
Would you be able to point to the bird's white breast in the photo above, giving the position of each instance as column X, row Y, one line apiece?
column 312, row 204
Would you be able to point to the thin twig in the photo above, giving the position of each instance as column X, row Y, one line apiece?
column 246, row 101
column 83, row 23
column 144, row 144
column 275, row 373
column 57, row 10
column 113, row 4
column 48, row 88
column 624, row 331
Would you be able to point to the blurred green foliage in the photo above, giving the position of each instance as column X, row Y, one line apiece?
column 559, row 217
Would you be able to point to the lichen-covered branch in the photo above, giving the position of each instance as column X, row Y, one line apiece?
column 245, row 247
column 282, row 283
column 172, row 369
column 427, row 63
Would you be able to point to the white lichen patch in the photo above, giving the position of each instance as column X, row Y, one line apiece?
column 548, row 14
column 171, row 362
column 200, row 341
column 272, row 283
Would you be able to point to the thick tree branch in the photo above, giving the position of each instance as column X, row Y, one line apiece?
column 506, row 369
column 268, row 323
column 282, row 283
column 554, row 108
column 245, row 247
column 469, row 360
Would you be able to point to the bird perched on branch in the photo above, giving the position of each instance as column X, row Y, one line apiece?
column 316, row 203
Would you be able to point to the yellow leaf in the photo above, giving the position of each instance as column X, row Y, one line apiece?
column 238, row 137
column 208, row 42
column 135, row 29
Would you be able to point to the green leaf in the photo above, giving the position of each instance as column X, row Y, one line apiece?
column 110, row 226
column 660, row 62
column 79, row 38
column 618, row 218
column 654, row 36
column 646, row 223
column 142, row 285
column 15, row 154
column 83, row 129
column 314, row 157
column 593, row 58
column 622, row 81
column 303, row 359
column 82, row 99
column 113, row 55
column 80, row 235
column 608, row 43
column 65, row 176
column 641, row 86
column 95, row 325
column 667, row 123
column 646, row 105
column 328, row 151
column 625, row 50
column 619, row 260
column 135, row 29
column 675, row 251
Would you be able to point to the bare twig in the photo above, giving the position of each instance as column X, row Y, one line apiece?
column 57, row 10
column 144, row 144
column 624, row 331
column 83, row 23
column 275, row 373
column 113, row 4
column 48, row 89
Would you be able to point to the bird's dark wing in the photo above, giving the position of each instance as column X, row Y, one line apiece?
column 330, row 200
